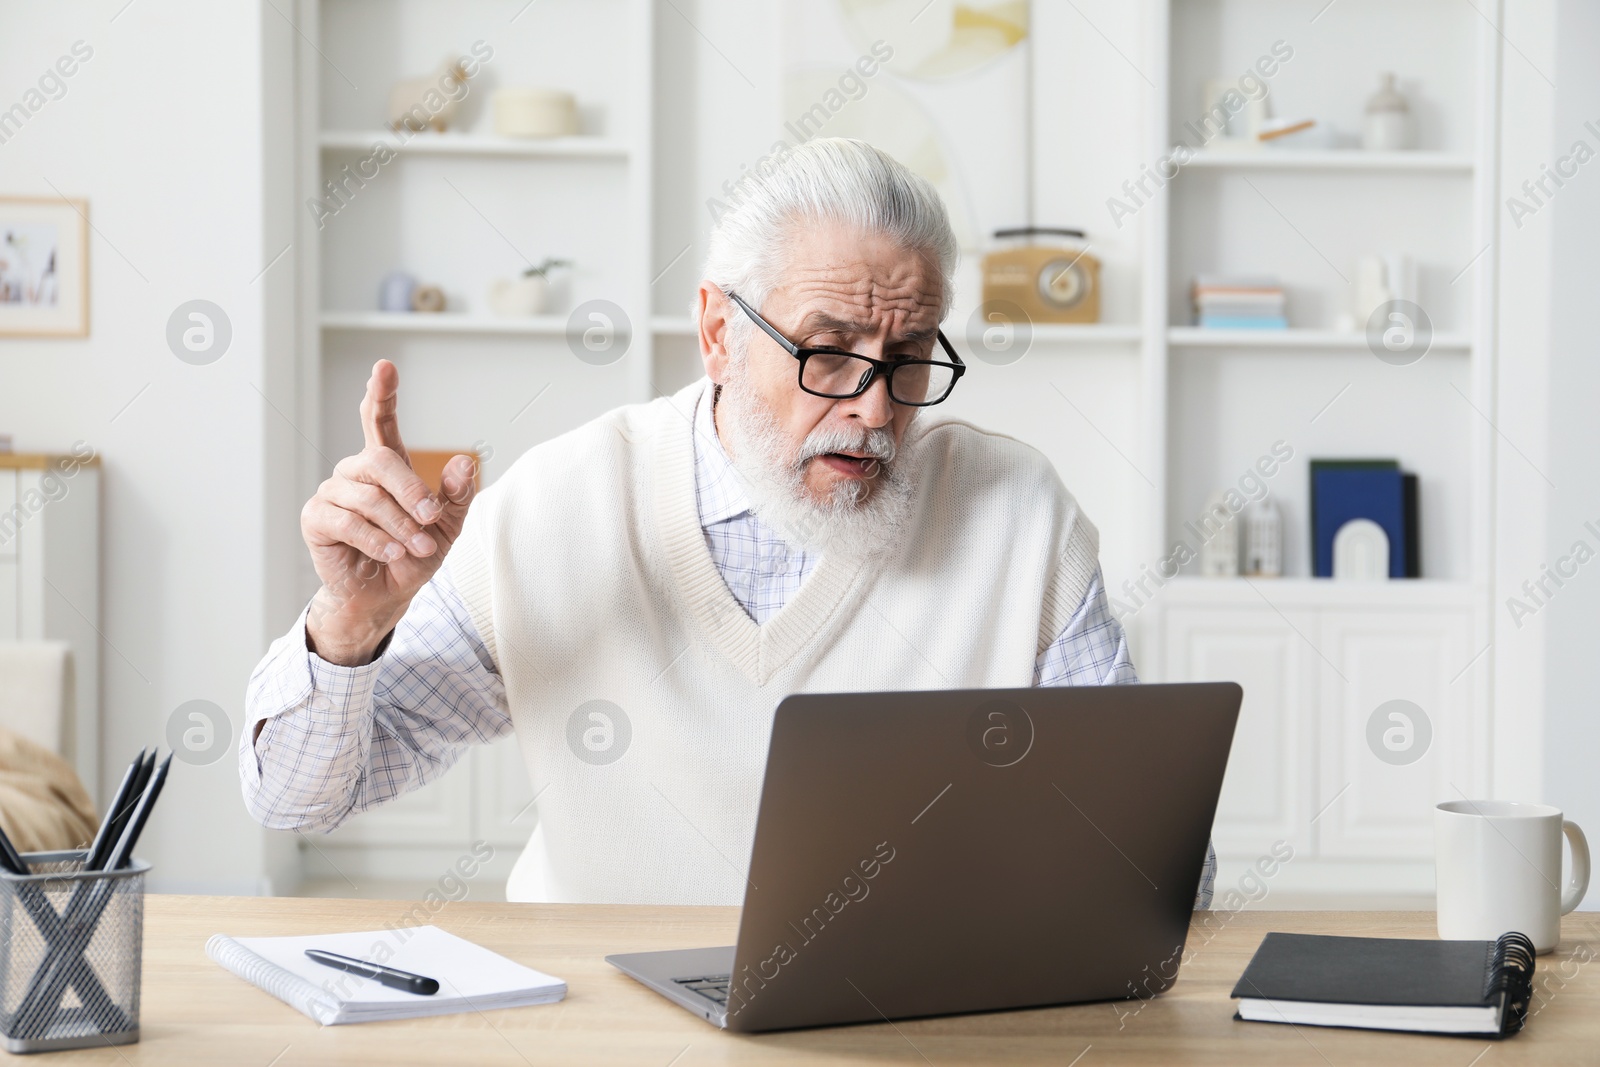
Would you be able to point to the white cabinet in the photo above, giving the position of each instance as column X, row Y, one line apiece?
column 483, row 798
column 1397, row 728
column 8, row 596
column 503, row 812
column 440, row 813
column 50, row 579
column 10, row 522
column 1264, row 798
column 1361, row 712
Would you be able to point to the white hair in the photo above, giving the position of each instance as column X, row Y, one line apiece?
column 829, row 179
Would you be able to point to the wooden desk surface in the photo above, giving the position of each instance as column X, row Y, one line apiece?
column 196, row 1013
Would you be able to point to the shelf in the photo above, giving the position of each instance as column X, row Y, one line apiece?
column 1336, row 340
column 1331, row 159
column 1052, row 333
column 1319, row 592
column 474, row 144
column 443, row 322
column 673, row 326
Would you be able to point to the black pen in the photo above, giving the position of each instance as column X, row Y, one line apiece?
column 10, row 859
column 394, row 979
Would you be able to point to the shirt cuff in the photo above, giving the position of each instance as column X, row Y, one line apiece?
column 294, row 678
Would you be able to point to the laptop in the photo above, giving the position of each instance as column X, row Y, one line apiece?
column 933, row 853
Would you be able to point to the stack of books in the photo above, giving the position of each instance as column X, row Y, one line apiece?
column 1238, row 303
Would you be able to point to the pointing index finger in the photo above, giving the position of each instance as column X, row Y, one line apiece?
column 380, row 425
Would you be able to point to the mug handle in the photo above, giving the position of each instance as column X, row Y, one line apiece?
column 1578, row 879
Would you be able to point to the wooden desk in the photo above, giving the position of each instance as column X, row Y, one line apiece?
column 196, row 1013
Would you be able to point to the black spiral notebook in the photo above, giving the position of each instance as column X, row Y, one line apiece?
column 1376, row 983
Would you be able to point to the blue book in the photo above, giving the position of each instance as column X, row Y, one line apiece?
column 1358, row 489
column 1244, row 322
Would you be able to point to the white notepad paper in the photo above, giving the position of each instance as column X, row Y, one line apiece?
column 471, row 978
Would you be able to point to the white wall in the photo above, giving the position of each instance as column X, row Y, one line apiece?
column 1572, row 621
column 161, row 131
column 1521, row 411
column 1546, row 673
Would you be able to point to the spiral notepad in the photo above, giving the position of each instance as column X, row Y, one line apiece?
column 1373, row 983
column 471, row 978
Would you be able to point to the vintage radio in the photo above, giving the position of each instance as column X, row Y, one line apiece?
column 1046, row 272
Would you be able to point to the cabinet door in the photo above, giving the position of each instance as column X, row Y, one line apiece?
column 440, row 813
column 1267, row 789
column 503, row 814
column 10, row 598
column 1397, row 727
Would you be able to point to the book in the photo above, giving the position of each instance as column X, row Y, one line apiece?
column 1239, row 303
column 1237, row 281
column 471, row 978
column 1243, row 322
column 1342, row 490
column 1244, row 297
column 1477, row 988
column 1413, row 525
column 1231, row 309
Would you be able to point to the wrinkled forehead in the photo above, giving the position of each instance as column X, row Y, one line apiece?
column 855, row 284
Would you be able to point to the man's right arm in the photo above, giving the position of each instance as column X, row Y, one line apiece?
column 323, row 742
column 341, row 716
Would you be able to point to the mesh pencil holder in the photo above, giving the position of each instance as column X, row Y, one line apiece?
column 71, row 943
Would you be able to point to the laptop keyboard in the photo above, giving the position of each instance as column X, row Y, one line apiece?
column 714, row 987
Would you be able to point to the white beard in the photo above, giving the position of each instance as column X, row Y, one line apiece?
column 858, row 518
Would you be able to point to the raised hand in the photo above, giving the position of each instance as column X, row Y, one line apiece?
column 376, row 533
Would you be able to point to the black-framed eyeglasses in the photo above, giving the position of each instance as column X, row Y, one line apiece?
column 839, row 375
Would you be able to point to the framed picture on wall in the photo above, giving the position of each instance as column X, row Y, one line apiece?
column 44, row 267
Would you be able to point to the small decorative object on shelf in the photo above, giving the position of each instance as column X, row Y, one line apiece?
column 429, row 464
column 429, row 103
column 1361, row 552
column 1056, row 280
column 395, row 292
column 524, row 295
column 1379, row 280
column 1219, row 554
column 5, row 444
column 535, row 113
column 1296, row 134
column 1388, row 126
column 1263, row 540
column 1374, row 490
column 1246, row 115
column 428, row 298
column 1231, row 302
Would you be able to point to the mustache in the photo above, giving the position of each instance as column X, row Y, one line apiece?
column 877, row 443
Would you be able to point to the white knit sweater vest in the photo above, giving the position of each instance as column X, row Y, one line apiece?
column 588, row 576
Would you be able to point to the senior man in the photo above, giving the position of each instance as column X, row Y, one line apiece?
column 792, row 522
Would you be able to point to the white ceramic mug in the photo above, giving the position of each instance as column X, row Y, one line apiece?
column 1498, row 868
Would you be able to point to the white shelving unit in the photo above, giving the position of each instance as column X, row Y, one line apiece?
column 467, row 144
column 460, row 209
column 673, row 326
column 50, row 583
column 444, row 322
column 1092, row 334
column 1143, row 415
column 1331, row 160
column 1317, row 658
column 1195, row 337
